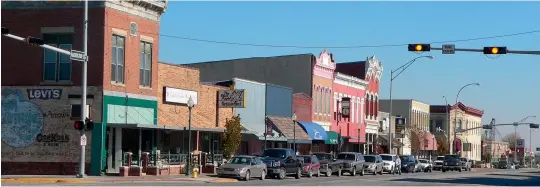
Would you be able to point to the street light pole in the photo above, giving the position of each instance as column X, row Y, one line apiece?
column 83, row 94
column 190, row 105
column 455, row 113
column 294, row 132
column 515, row 135
column 447, row 124
column 400, row 69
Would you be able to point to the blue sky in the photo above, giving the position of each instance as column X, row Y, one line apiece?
column 509, row 87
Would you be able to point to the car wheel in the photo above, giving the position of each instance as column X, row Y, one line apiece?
column 263, row 175
column 353, row 172
column 328, row 173
column 362, row 171
column 310, row 174
column 460, row 170
column 443, row 170
column 248, row 176
column 281, row 174
column 298, row 173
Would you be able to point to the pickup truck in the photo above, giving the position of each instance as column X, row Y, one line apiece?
column 438, row 164
column 329, row 164
column 281, row 162
column 352, row 162
column 466, row 164
column 451, row 163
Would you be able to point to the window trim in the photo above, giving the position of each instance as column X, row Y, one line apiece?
column 114, row 80
column 142, row 51
column 57, row 43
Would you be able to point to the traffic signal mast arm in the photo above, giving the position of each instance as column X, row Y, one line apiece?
column 532, row 125
column 481, row 50
column 43, row 46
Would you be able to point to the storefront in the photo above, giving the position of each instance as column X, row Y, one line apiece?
column 333, row 142
column 293, row 132
column 317, row 134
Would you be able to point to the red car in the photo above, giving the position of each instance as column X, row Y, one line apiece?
column 310, row 165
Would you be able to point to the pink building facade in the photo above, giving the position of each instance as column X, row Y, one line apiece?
column 352, row 129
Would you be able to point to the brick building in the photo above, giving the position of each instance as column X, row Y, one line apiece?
column 121, row 85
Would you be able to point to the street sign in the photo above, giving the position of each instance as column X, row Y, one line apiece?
column 78, row 56
column 538, row 149
column 449, row 49
column 83, row 140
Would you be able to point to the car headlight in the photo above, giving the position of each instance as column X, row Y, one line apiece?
column 372, row 166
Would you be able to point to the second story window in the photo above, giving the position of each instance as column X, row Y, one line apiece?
column 56, row 66
column 146, row 64
column 117, row 68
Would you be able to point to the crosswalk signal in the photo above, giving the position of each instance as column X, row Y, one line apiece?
column 89, row 124
column 495, row 50
column 79, row 125
column 419, row 47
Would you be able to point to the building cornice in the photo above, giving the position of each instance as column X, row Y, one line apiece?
column 350, row 81
column 149, row 9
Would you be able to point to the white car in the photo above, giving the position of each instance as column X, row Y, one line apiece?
column 425, row 165
column 389, row 163
column 438, row 164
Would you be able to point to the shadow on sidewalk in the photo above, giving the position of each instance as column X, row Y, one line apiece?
column 528, row 181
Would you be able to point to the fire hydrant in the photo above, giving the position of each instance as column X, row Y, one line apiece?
column 195, row 172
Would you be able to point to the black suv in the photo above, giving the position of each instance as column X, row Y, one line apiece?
column 282, row 162
column 408, row 163
column 451, row 163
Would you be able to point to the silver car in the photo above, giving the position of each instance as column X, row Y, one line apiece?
column 373, row 164
column 243, row 167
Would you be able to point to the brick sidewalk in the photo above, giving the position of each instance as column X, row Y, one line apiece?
column 49, row 179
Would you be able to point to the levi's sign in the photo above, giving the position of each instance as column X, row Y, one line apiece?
column 231, row 99
column 44, row 94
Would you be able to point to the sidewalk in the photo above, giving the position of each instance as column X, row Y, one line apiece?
column 52, row 179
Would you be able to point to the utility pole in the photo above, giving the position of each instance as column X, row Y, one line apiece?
column 83, row 94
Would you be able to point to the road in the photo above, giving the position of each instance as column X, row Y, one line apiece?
column 490, row 177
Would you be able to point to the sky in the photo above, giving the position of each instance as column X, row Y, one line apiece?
column 509, row 89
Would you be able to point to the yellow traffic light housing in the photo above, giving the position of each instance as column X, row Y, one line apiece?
column 419, row 47
column 495, row 50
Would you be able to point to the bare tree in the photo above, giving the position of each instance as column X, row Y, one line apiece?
column 511, row 138
column 442, row 145
column 418, row 139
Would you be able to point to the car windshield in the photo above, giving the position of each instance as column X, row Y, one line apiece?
column 423, row 161
column 274, row 153
column 369, row 158
column 386, row 157
column 451, row 157
column 305, row 159
column 404, row 158
column 323, row 156
column 463, row 159
column 345, row 156
column 239, row 160
column 440, row 158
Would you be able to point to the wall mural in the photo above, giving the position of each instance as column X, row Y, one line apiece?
column 22, row 121
column 37, row 125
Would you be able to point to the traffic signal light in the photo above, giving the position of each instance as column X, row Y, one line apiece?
column 79, row 125
column 534, row 126
column 89, row 124
column 34, row 40
column 419, row 47
column 5, row 31
column 495, row 50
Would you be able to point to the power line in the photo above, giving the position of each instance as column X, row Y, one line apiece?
column 335, row 47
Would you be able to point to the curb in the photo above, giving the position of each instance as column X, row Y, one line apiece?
column 43, row 180
column 223, row 180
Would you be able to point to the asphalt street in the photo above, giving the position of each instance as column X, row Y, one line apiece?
column 524, row 177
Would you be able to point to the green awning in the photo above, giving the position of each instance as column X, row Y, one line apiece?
column 332, row 138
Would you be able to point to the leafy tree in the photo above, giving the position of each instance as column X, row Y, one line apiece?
column 232, row 136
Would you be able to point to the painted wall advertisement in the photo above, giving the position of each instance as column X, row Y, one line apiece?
column 37, row 125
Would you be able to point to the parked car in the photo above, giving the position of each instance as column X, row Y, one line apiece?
column 329, row 164
column 408, row 163
column 243, row 167
column 451, row 163
column 425, row 165
column 466, row 164
column 389, row 163
column 373, row 164
column 310, row 165
column 438, row 164
column 352, row 162
column 503, row 164
column 281, row 162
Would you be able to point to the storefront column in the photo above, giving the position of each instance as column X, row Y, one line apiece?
column 140, row 149
column 118, row 155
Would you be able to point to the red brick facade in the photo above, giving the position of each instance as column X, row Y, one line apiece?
column 302, row 107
